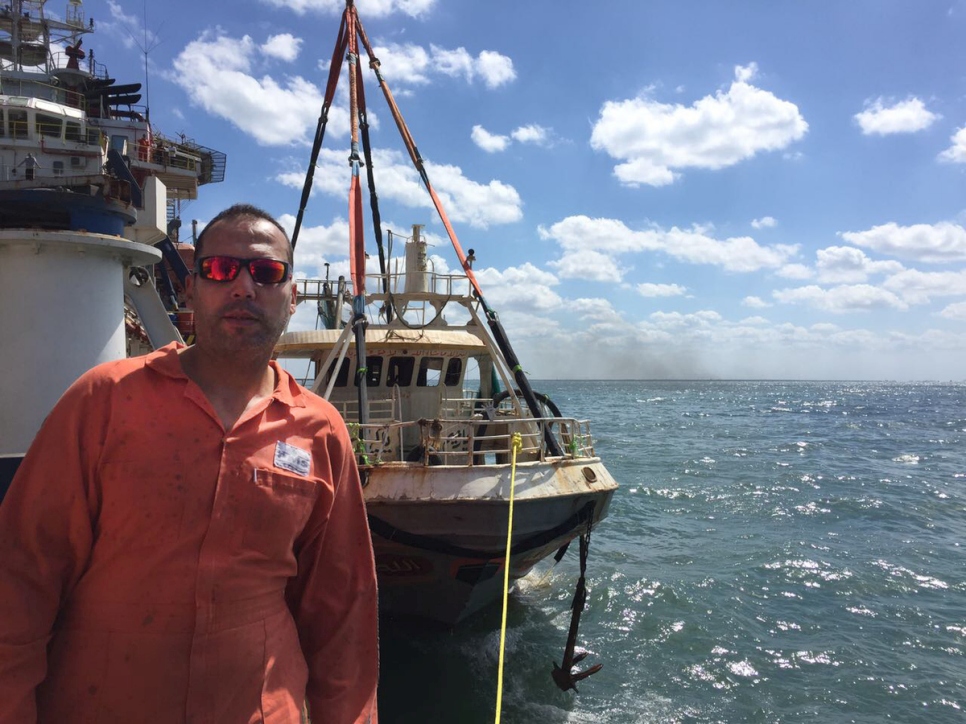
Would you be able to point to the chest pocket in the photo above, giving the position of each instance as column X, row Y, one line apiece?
column 277, row 508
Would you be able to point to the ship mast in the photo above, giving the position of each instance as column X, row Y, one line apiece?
column 351, row 33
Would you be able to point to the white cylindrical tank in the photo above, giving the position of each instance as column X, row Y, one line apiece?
column 63, row 312
column 417, row 265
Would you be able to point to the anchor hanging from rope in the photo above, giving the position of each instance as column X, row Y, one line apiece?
column 564, row 676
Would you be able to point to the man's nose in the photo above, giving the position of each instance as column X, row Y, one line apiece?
column 243, row 286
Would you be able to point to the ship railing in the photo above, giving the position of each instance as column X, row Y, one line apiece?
column 174, row 157
column 314, row 289
column 111, row 187
column 75, row 16
column 468, row 441
column 98, row 70
column 44, row 91
column 20, row 129
column 426, row 282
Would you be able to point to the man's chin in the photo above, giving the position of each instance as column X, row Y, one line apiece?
column 239, row 341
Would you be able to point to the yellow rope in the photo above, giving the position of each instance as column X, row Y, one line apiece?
column 517, row 446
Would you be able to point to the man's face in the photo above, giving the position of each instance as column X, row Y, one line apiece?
column 240, row 315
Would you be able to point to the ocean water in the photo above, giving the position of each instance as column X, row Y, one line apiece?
column 778, row 552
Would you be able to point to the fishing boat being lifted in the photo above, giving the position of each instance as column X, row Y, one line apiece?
column 446, row 425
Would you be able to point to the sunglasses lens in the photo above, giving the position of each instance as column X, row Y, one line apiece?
column 226, row 269
column 219, row 268
column 268, row 271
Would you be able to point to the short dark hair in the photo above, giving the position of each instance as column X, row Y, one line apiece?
column 246, row 211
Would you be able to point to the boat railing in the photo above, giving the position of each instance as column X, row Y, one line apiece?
column 424, row 282
column 44, row 91
column 20, row 129
column 176, row 157
column 111, row 186
column 469, row 441
column 98, row 70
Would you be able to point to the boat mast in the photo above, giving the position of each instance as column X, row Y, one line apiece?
column 351, row 33
column 492, row 319
column 357, row 248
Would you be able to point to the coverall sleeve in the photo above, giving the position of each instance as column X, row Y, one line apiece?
column 45, row 542
column 334, row 598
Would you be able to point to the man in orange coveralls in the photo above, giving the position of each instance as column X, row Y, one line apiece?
column 186, row 539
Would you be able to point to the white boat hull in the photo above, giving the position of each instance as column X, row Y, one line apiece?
column 439, row 533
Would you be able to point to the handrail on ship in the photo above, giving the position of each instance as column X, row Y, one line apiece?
column 466, row 441
column 441, row 285
column 457, row 442
column 44, row 91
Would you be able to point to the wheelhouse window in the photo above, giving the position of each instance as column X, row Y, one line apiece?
column 373, row 371
column 342, row 378
column 58, row 168
column 400, row 371
column 18, row 124
column 47, row 125
column 453, row 372
column 430, row 372
column 73, row 132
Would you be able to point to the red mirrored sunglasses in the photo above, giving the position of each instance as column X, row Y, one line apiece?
column 227, row 268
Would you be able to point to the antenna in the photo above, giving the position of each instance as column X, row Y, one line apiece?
column 146, row 46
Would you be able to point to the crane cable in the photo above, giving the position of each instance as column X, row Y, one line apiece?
column 517, row 445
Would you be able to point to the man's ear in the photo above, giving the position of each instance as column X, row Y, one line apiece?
column 291, row 307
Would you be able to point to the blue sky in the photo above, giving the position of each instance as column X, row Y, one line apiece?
column 743, row 189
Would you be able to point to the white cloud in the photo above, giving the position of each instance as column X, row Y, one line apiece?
column 848, row 265
column 525, row 288
column 931, row 243
column 453, row 63
column 532, row 133
column 489, row 142
column 492, row 142
column 956, row 312
column 373, row 8
column 794, row 271
column 284, row 47
column 754, row 303
column 906, row 116
column 413, row 65
column 610, row 237
column 407, row 64
column 478, row 204
column 765, row 222
column 317, row 245
column 706, row 344
column 495, row 69
column 588, row 264
column 597, row 310
column 956, row 153
column 842, row 299
column 216, row 72
column 918, row 287
column 468, row 201
column 661, row 290
column 655, row 140
column 677, row 320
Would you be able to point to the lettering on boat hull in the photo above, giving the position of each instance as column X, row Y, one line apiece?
column 393, row 565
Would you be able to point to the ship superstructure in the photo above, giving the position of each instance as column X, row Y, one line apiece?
column 90, row 198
